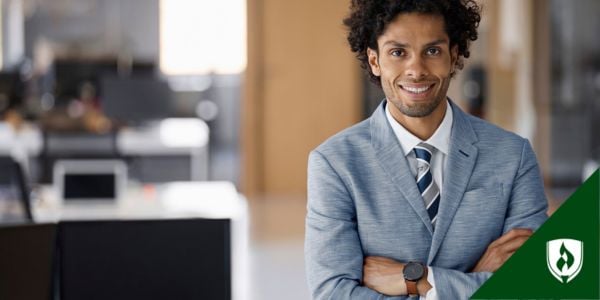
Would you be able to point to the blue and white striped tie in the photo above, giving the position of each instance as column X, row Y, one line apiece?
column 429, row 190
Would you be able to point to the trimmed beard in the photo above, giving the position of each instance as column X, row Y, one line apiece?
column 418, row 110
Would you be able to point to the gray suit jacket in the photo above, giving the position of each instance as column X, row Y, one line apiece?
column 363, row 201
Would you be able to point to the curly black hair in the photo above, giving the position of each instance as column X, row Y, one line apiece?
column 368, row 20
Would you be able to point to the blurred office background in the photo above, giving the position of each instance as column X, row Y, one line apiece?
column 241, row 91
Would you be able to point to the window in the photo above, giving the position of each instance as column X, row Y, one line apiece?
column 201, row 36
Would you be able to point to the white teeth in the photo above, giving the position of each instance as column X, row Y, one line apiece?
column 416, row 90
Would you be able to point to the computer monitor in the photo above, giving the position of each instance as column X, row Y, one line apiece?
column 145, row 259
column 26, row 261
column 135, row 100
column 14, row 194
column 71, row 74
column 90, row 180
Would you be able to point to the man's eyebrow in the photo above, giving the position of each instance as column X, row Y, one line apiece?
column 402, row 45
column 437, row 42
column 394, row 44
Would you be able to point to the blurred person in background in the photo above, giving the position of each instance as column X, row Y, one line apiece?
column 421, row 199
column 11, row 98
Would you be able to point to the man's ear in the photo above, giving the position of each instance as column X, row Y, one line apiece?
column 373, row 62
column 454, row 58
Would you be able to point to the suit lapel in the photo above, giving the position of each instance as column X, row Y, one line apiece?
column 390, row 156
column 459, row 167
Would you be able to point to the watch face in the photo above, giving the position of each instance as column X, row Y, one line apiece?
column 413, row 271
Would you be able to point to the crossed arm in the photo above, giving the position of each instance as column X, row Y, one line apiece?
column 384, row 275
column 337, row 268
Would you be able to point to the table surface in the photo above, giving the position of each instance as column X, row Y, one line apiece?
column 163, row 201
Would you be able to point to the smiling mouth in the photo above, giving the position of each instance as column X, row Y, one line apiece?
column 417, row 89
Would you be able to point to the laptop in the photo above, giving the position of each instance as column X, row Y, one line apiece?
column 90, row 180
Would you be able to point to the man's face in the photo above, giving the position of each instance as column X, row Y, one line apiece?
column 414, row 63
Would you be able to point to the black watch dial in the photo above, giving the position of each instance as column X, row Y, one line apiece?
column 413, row 271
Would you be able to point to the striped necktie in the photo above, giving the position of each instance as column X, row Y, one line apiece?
column 427, row 186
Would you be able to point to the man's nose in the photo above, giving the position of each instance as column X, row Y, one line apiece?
column 416, row 68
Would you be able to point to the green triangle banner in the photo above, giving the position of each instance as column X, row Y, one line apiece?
column 561, row 260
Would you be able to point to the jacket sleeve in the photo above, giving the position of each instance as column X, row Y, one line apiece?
column 528, row 203
column 453, row 284
column 333, row 251
column 526, row 209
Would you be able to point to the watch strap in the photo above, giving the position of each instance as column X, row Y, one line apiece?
column 411, row 287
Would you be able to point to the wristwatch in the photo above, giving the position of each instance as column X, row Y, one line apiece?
column 413, row 271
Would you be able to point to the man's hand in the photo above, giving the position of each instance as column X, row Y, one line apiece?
column 385, row 276
column 500, row 250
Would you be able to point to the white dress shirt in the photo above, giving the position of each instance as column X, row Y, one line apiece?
column 441, row 141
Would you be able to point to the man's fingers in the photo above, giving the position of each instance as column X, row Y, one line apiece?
column 513, row 233
column 514, row 244
column 502, row 249
column 500, row 253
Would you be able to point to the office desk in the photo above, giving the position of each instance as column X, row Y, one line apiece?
column 181, row 144
column 165, row 201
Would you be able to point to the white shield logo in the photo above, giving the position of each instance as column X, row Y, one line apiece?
column 564, row 258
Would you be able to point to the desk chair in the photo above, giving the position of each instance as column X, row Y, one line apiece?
column 15, row 206
column 145, row 259
column 26, row 261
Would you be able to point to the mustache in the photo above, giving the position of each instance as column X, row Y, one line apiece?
column 416, row 82
column 423, row 80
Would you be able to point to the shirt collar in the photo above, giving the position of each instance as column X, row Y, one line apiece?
column 440, row 138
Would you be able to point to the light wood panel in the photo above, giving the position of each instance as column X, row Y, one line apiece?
column 305, row 87
column 542, row 71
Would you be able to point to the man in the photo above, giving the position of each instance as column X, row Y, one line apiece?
column 420, row 199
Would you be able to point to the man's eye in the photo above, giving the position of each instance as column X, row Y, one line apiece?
column 433, row 51
column 397, row 52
